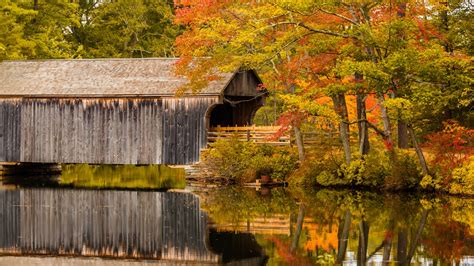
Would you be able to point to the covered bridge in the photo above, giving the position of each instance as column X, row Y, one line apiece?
column 114, row 111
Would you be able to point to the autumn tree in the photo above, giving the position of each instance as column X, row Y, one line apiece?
column 379, row 49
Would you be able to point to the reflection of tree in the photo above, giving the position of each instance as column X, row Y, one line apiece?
column 299, row 227
column 399, row 225
column 343, row 237
column 387, row 243
column 363, row 243
column 446, row 238
column 416, row 237
column 236, row 205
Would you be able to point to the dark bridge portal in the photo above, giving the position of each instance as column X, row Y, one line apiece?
column 241, row 101
column 236, row 111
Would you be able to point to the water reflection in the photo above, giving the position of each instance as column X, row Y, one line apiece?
column 103, row 176
column 349, row 228
column 126, row 224
column 229, row 225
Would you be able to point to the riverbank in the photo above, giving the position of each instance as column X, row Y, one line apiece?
column 230, row 162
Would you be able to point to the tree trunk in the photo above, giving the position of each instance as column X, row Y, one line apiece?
column 419, row 152
column 299, row 143
column 402, row 132
column 343, row 237
column 340, row 108
column 364, row 145
column 385, row 119
column 387, row 247
column 416, row 239
column 35, row 4
column 402, row 135
column 299, row 227
column 363, row 243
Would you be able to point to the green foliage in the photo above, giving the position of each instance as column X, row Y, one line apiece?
column 245, row 161
column 135, row 28
column 463, row 179
column 86, row 29
column 429, row 182
column 377, row 169
column 13, row 42
column 405, row 172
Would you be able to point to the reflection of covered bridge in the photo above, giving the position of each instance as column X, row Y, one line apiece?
column 120, row 224
column 114, row 111
column 126, row 224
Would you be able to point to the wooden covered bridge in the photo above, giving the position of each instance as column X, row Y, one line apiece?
column 115, row 111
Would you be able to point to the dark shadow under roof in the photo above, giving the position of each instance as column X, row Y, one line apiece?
column 97, row 78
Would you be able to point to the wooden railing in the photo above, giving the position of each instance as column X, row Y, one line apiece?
column 268, row 135
column 257, row 134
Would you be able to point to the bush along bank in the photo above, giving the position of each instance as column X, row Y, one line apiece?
column 398, row 169
column 395, row 170
column 244, row 162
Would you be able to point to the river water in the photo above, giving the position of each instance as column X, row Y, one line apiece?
column 105, row 215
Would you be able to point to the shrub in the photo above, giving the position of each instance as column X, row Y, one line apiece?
column 377, row 169
column 245, row 161
column 404, row 170
column 463, row 179
column 429, row 182
column 450, row 148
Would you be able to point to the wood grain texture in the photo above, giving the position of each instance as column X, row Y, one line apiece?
column 184, row 128
column 104, row 131
column 10, row 121
column 112, row 131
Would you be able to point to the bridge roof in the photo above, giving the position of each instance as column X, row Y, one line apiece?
column 130, row 77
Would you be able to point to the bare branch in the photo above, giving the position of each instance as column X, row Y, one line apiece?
column 303, row 25
column 339, row 16
column 326, row 32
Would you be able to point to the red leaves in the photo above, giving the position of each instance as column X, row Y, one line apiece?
column 388, row 144
column 261, row 87
column 451, row 147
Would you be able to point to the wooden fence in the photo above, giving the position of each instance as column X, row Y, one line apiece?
column 270, row 135
column 257, row 134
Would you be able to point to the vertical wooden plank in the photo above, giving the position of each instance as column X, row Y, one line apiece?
column 2, row 131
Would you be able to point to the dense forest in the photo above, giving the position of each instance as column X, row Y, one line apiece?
column 393, row 78
column 43, row 29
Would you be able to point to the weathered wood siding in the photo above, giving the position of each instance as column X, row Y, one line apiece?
column 112, row 131
column 244, row 83
column 10, row 120
column 185, row 129
column 104, row 223
column 103, row 131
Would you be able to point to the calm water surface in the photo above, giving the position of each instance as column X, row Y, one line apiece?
column 103, row 215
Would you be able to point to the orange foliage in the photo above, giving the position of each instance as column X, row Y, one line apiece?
column 321, row 237
column 194, row 11
column 290, row 258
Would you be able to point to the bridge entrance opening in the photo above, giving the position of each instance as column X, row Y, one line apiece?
column 234, row 111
